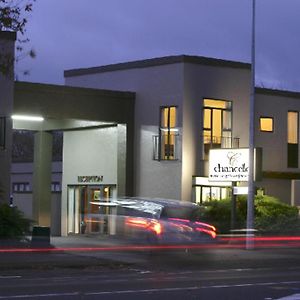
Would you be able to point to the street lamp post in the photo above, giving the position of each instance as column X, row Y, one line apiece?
column 250, row 200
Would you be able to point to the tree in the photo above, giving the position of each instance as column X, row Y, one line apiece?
column 14, row 17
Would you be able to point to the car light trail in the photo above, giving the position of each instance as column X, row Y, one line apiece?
column 262, row 238
column 223, row 243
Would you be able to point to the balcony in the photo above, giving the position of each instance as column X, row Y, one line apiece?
column 218, row 142
column 165, row 147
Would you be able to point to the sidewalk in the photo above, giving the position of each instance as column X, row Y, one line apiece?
column 68, row 252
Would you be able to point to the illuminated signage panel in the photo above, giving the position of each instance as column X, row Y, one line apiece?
column 228, row 164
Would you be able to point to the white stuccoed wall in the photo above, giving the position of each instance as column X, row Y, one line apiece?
column 88, row 153
column 179, row 84
column 154, row 87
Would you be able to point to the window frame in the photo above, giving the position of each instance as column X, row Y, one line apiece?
column 169, row 132
column 292, row 148
column 16, row 187
column 210, row 108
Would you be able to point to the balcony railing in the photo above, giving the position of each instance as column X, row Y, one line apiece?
column 165, row 147
column 219, row 142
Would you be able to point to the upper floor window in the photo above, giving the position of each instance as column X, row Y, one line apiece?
column 165, row 144
column 217, row 125
column 266, row 124
column 292, row 139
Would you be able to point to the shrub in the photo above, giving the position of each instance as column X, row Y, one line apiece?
column 270, row 215
column 218, row 213
column 273, row 216
column 13, row 224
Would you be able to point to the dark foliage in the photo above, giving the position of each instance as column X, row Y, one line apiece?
column 13, row 224
column 270, row 215
column 14, row 17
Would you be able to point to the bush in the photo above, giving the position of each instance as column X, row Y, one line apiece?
column 270, row 215
column 218, row 213
column 273, row 216
column 13, row 224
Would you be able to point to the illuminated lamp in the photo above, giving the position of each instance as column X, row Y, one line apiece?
column 27, row 118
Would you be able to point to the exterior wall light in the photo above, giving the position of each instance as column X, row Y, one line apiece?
column 27, row 118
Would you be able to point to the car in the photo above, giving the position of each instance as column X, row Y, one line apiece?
column 156, row 221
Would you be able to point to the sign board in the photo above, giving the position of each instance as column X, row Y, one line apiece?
column 240, row 190
column 229, row 164
column 90, row 179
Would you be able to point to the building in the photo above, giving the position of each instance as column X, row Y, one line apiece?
column 97, row 151
column 146, row 128
column 186, row 105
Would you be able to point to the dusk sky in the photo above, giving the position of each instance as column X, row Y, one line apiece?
column 68, row 34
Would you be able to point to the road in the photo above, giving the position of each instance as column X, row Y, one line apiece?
column 221, row 274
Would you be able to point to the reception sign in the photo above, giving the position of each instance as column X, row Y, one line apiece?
column 229, row 164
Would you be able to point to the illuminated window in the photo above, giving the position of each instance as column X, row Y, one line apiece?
column 266, row 124
column 217, row 123
column 168, row 132
column 165, row 144
column 292, row 139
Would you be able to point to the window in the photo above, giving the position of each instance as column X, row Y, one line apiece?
column 292, row 139
column 20, row 187
column 55, row 187
column 266, row 124
column 168, row 132
column 217, row 123
column 210, row 193
column 205, row 190
column 165, row 144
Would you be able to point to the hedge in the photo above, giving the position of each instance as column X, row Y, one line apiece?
column 270, row 215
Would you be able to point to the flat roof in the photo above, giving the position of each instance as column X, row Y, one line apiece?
column 66, row 89
column 275, row 92
column 158, row 62
column 166, row 60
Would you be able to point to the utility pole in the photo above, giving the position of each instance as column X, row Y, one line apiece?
column 250, row 200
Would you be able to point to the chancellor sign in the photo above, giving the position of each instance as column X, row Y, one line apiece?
column 228, row 164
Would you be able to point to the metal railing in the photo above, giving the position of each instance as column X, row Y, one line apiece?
column 165, row 147
column 218, row 142
column 221, row 142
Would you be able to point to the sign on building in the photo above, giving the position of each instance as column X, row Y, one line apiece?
column 229, row 164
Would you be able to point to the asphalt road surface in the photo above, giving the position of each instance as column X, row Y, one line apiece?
column 221, row 274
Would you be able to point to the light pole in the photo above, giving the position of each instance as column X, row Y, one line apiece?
column 250, row 200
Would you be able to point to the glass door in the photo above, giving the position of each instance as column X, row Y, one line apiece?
column 87, row 212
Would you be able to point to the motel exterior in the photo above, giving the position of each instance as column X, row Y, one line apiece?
column 145, row 128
